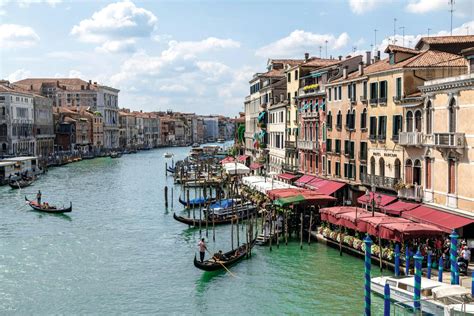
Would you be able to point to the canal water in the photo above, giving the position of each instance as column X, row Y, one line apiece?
column 121, row 251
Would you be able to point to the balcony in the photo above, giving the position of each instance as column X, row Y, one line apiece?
column 289, row 168
column 411, row 139
column 449, row 140
column 414, row 193
column 383, row 101
column 373, row 101
column 290, row 144
column 379, row 181
column 310, row 114
column 353, row 101
column 381, row 137
column 310, row 90
column 363, row 156
column 363, row 99
column 308, row 144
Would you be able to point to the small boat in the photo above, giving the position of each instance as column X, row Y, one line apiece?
column 196, row 145
column 171, row 169
column 168, row 155
column 51, row 209
column 221, row 140
column 115, row 154
column 196, row 202
column 20, row 184
column 437, row 298
column 232, row 257
column 217, row 221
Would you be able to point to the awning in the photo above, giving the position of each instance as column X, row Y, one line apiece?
column 242, row 158
column 402, row 231
column 236, row 168
column 227, row 160
column 255, row 165
column 324, row 186
column 350, row 219
column 446, row 221
column 330, row 213
column 386, row 199
column 371, row 224
column 309, row 195
column 289, row 200
column 398, row 207
column 303, row 180
column 287, row 176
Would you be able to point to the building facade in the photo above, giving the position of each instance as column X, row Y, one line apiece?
column 43, row 126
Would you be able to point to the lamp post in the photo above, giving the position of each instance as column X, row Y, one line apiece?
column 374, row 201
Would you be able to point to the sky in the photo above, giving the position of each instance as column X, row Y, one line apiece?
column 198, row 56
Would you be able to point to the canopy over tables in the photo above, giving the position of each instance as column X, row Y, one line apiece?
column 289, row 200
column 227, row 160
column 304, row 179
column 308, row 195
column 445, row 221
column 401, row 231
column 384, row 199
column 287, row 176
column 236, row 168
column 324, row 186
column 330, row 213
column 350, row 219
column 242, row 158
column 255, row 166
column 262, row 184
column 398, row 207
column 371, row 224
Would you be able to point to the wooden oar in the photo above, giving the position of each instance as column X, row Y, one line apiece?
column 221, row 264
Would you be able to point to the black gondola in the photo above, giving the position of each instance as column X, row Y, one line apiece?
column 232, row 256
column 170, row 169
column 20, row 184
column 195, row 222
column 196, row 202
column 52, row 209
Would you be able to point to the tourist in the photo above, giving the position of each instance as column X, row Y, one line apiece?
column 466, row 255
column 38, row 197
column 219, row 256
column 202, row 249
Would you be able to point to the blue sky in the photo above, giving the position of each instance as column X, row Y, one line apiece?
column 198, row 56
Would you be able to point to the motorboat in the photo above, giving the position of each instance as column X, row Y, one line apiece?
column 437, row 298
column 168, row 155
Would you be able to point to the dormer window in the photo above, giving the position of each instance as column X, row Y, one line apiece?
column 392, row 58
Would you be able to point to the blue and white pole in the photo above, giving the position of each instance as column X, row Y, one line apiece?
column 417, row 291
column 397, row 260
column 440, row 269
column 368, row 252
column 386, row 300
column 407, row 261
column 428, row 273
column 453, row 254
column 472, row 284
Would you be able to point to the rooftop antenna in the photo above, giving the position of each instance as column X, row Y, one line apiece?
column 403, row 35
column 320, row 50
column 394, row 29
column 326, row 42
column 429, row 32
column 375, row 39
column 451, row 2
column 354, row 48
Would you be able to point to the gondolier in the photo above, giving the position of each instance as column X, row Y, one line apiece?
column 38, row 197
column 202, row 249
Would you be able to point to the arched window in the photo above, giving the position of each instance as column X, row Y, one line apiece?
column 452, row 116
column 417, row 172
column 372, row 166
column 398, row 171
column 408, row 171
column 381, row 167
column 409, row 121
column 429, row 118
column 363, row 119
column 418, row 121
column 329, row 120
column 353, row 119
column 339, row 119
column 348, row 119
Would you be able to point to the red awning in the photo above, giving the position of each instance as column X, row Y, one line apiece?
column 330, row 213
column 350, row 219
column 398, row 207
column 371, row 224
column 386, row 199
column 255, row 165
column 324, row 186
column 242, row 158
column 309, row 195
column 304, row 179
column 446, row 221
column 227, row 160
column 402, row 231
column 287, row 176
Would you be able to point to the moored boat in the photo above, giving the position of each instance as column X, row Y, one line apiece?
column 210, row 221
column 48, row 208
column 197, row 202
column 168, row 155
column 230, row 258
column 115, row 154
column 20, row 184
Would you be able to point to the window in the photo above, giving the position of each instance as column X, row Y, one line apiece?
column 408, row 171
column 289, row 97
column 382, row 127
column 338, row 146
column 381, row 167
column 349, row 91
column 289, row 77
column 452, row 116
column 417, row 172
column 372, row 165
column 329, row 167
column 340, row 92
column 329, row 145
column 363, row 119
column 383, row 90
column 363, row 151
column 398, row 171
column 409, row 120
column 339, row 120
column 429, row 118
column 373, row 91
column 365, row 90
column 373, row 127
column 428, row 173
column 418, row 121
column 399, row 89
column 396, row 127
column 392, row 58
column 329, row 120
column 296, row 74
column 451, row 176
column 329, row 94
column 338, row 169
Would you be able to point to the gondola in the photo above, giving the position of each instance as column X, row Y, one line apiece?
column 233, row 256
column 34, row 205
column 196, row 202
column 115, row 154
column 195, row 222
column 171, row 169
column 20, row 184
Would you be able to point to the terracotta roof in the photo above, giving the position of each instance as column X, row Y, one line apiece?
column 272, row 73
column 291, row 62
column 320, row 62
column 70, row 83
column 456, row 39
column 396, row 48
column 432, row 58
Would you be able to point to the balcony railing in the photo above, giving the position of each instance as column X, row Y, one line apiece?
column 382, row 101
column 411, row 139
column 3, row 138
column 413, row 193
column 381, row 137
column 373, row 101
column 363, row 155
column 309, row 114
column 353, row 101
column 449, row 140
column 379, row 181
column 363, row 99
column 308, row 144
column 290, row 144
column 289, row 168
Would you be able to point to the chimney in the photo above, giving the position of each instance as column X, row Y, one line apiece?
column 368, row 58
column 340, row 57
column 57, row 83
column 306, row 56
column 31, row 87
column 90, row 81
column 377, row 57
column 344, row 72
column 361, row 68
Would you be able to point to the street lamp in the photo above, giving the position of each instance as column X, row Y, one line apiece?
column 374, row 200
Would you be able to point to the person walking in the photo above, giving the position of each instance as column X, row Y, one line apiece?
column 202, row 249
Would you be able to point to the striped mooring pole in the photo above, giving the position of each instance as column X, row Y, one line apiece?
column 440, row 269
column 368, row 251
column 428, row 272
column 386, row 300
column 397, row 260
column 417, row 291
column 453, row 254
column 407, row 261
column 472, row 284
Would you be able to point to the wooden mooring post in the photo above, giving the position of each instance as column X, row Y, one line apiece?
column 166, row 196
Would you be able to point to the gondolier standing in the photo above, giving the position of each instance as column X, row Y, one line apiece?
column 202, row 249
column 38, row 197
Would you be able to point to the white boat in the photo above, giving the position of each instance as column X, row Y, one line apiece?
column 168, row 155
column 437, row 298
column 221, row 140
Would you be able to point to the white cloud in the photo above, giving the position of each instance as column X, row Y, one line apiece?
column 173, row 88
column 461, row 7
column 299, row 42
column 363, row 6
column 17, row 36
column 122, row 46
column 27, row 3
column 19, row 75
column 116, row 26
column 75, row 74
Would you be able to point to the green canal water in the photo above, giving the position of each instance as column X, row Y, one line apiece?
column 121, row 251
